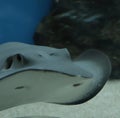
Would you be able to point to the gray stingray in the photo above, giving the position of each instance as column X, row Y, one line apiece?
column 30, row 73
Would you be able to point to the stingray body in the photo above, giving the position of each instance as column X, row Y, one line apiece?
column 30, row 73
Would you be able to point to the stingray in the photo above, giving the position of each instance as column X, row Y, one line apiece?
column 30, row 73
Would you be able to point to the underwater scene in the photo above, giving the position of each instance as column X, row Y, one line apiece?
column 60, row 59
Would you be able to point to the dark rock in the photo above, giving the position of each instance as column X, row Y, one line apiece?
column 82, row 24
column 73, row 19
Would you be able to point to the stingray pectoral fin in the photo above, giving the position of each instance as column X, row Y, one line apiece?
column 93, row 59
column 98, row 64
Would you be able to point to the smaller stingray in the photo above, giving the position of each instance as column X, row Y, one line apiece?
column 30, row 73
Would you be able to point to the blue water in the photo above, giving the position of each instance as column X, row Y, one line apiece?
column 19, row 19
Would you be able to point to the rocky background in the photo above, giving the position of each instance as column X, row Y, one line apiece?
column 79, row 25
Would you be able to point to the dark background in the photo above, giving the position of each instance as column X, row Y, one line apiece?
column 79, row 25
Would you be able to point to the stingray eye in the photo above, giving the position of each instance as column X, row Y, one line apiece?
column 19, row 58
column 14, row 61
column 8, row 63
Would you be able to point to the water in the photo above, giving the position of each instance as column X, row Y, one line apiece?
column 19, row 19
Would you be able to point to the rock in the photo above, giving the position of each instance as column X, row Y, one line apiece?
column 84, row 24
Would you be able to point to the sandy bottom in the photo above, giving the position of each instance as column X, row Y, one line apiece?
column 105, row 105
